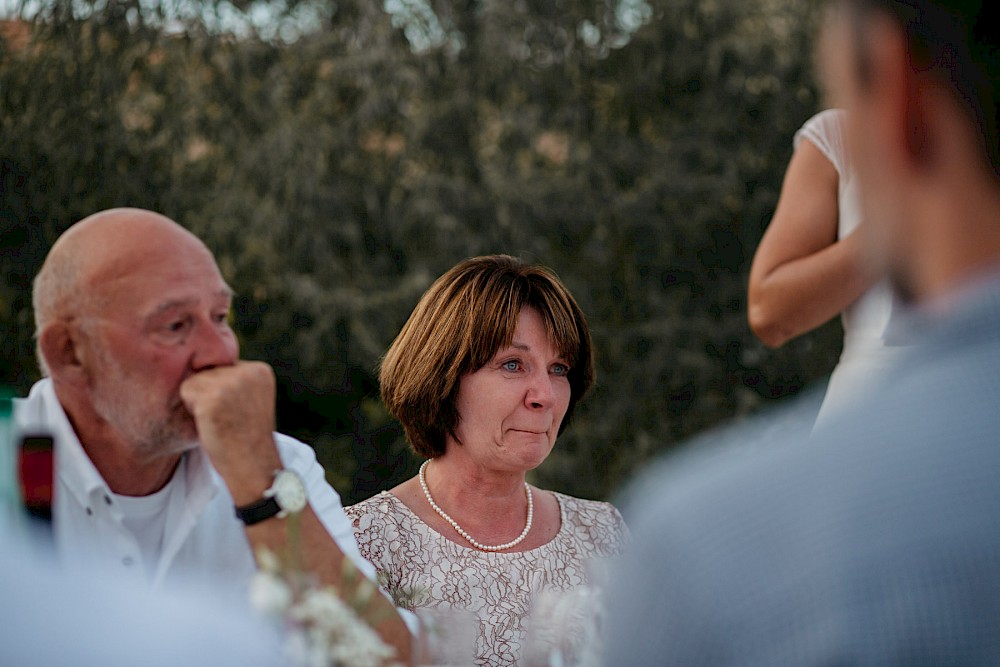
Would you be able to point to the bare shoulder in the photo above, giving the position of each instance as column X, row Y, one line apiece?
column 546, row 504
column 548, row 515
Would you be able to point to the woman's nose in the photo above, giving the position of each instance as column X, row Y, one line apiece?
column 540, row 393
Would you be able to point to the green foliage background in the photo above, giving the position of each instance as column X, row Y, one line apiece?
column 338, row 157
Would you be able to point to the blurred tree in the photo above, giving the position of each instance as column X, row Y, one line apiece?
column 338, row 157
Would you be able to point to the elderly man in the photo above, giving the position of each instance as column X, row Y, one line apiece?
column 877, row 542
column 167, row 467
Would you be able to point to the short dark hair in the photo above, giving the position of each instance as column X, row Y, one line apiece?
column 459, row 324
column 954, row 40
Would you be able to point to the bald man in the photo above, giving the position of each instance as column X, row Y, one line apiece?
column 167, row 465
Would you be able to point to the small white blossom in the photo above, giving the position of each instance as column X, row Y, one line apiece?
column 321, row 630
column 268, row 562
column 269, row 594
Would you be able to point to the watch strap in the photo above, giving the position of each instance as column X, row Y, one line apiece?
column 258, row 510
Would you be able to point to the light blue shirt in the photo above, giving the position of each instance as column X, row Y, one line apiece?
column 876, row 541
column 49, row 617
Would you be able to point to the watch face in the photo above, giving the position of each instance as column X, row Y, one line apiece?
column 289, row 491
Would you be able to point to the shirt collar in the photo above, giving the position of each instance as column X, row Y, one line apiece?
column 976, row 297
column 75, row 469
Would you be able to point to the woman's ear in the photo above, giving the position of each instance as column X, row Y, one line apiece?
column 59, row 348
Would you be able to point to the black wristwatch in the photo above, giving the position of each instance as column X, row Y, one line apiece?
column 287, row 495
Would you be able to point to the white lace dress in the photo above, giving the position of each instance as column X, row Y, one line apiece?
column 421, row 568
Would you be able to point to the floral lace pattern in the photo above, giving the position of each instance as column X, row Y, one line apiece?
column 421, row 568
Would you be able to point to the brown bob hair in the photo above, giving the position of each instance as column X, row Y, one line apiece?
column 466, row 316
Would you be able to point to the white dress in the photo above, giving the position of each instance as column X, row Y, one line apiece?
column 419, row 567
column 866, row 352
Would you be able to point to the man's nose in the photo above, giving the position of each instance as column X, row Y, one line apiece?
column 214, row 345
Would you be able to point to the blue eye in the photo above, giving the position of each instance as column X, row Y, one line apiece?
column 560, row 369
column 511, row 366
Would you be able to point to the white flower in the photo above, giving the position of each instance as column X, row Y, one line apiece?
column 269, row 594
column 267, row 561
column 321, row 630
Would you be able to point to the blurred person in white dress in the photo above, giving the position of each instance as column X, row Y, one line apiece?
column 815, row 262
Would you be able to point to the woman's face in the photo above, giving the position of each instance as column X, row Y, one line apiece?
column 509, row 411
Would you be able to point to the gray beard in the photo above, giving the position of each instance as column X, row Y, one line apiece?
column 163, row 439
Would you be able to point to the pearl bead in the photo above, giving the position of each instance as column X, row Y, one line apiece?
column 461, row 531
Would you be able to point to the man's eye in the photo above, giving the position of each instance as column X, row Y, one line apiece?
column 177, row 326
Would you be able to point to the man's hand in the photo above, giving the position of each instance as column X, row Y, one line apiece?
column 233, row 409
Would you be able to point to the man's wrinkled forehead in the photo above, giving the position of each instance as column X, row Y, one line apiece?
column 155, row 278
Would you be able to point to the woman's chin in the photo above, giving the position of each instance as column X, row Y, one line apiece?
column 532, row 455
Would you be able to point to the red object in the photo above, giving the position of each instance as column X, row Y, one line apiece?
column 37, row 466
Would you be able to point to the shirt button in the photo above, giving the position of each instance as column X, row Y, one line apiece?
column 127, row 561
column 107, row 499
column 90, row 512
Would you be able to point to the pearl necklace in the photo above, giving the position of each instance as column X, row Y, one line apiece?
column 454, row 524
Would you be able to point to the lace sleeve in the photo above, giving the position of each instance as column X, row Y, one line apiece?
column 378, row 532
column 619, row 536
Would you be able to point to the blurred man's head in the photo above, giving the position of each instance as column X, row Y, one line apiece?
column 127, row 305
column 919, row 79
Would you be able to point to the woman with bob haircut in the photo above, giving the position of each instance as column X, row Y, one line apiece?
column 484, row 376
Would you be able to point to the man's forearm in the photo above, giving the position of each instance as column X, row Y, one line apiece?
column 318, row 553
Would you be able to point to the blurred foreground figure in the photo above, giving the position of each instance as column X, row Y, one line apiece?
column 52, row 616
column 168, row 471
column 877, row 542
